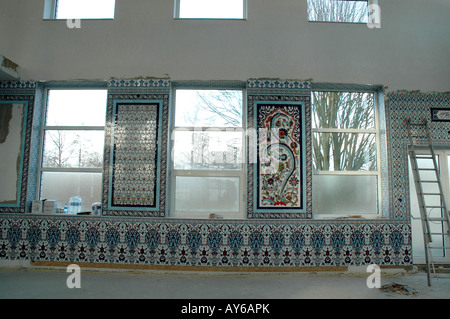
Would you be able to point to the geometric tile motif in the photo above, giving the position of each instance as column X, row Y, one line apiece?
column 135, row 151
column 210, row 243
column 417, row 107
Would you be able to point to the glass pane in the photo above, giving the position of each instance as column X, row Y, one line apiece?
column 206, row 195
column 61, row 186
column 75, row 149
column 207, row 150
column 208, row 108
column 350, row 110
column 213, row 9
column 76, row 107
column 338, row 11
column 85, row 9
column 344, row 152
column 344, row 194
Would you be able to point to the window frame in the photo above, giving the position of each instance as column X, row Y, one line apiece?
column 369, row 3
column 50, row 12
column 376, row 130
column 43, row 128
column 239, row 173
column 177, row 6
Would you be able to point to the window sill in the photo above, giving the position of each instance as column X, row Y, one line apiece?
column 213, row 19
column 348, row 217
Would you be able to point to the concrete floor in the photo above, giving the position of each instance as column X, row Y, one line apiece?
column 50, row 282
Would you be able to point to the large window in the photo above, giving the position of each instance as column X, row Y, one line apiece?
column 79, row 9
column 207, row 154
column 72, row 146
column 354, row 11
column 210, row 9
column 345, row 143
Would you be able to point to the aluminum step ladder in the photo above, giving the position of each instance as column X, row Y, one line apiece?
column 416, row 131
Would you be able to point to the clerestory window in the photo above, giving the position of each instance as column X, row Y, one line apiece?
column 210, row 9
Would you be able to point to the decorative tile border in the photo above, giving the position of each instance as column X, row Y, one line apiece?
column 17, row 84
column 205, row 243
column 139, row 83
column 278, row 84
column 134, row 155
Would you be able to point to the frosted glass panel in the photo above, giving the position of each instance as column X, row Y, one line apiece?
column 61, row 186
column 207, row 195
column 343, row 194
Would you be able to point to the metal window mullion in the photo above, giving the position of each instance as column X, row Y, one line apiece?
column 378, row 146
column 74, row 128
column 341, row 130
column 72, row 169
column 208, row 129
column 360, row 173
column 177, row 9
column 208, row 173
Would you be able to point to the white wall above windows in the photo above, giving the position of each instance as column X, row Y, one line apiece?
column 408, row 52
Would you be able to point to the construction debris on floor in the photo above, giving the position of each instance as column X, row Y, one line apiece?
column 398, row 289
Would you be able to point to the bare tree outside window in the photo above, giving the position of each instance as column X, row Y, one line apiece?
column 338, row 11
column 339, row 141
column 212, row 142
column 65, row 149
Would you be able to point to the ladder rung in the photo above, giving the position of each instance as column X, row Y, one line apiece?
column 429, row 194
column 439, row 247
column 426, row 169
column 424, row 156
column 429, row 181
column 435, row 234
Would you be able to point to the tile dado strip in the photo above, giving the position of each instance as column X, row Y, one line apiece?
column 205, row 243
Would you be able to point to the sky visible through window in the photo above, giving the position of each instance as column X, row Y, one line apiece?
column 85, row 9
column 212, row 9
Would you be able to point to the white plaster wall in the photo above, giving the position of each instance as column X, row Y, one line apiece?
column 411, row 51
